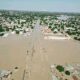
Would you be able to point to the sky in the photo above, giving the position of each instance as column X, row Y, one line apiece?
column 41, row 5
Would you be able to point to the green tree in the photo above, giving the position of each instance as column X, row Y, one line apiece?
column 1, row 29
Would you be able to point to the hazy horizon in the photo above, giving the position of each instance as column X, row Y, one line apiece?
column 41, row 5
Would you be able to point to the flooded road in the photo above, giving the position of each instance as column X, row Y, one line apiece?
column 35, row 60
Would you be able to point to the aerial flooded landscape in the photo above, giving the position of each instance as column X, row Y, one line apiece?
column 39, row 45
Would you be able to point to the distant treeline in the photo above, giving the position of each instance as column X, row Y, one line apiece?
column 36, row 13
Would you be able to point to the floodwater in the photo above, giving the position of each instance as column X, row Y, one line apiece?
column 33, row 55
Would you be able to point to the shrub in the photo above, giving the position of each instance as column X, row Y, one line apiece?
column 17, row 32
column 16, row 67
column 75, row 38
column 1, row 29
column 32, row 27
column 67, row 72
column 24, row 31
column 60, row 68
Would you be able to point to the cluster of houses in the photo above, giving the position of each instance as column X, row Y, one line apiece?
column 65, row 24
column 16, row 22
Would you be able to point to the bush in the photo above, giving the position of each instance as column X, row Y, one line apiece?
column 7, row 29
column 32, row 27
column 1, row 29
column 24, row 31
column 16, row 67
column 67, row 72
column 17, row 32
column 60, row 68
column 1, row 34
column 75, row 38
column 50, row 27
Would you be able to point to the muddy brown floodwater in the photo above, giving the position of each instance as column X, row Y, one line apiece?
column 33, row 55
